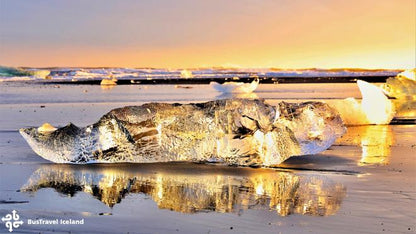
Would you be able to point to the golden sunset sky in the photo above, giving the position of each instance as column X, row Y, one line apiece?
column 193, row 33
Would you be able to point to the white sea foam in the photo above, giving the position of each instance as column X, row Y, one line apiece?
column 10, row 74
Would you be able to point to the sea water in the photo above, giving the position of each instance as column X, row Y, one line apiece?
column 69, row 74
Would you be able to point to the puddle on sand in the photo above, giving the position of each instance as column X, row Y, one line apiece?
column 192, row 188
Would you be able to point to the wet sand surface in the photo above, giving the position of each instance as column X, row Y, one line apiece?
column 365, row 183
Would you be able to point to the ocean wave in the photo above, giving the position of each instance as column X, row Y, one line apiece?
column 15, row 74
column 62, row 73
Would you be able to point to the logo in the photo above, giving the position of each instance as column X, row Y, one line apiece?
column 12, row 220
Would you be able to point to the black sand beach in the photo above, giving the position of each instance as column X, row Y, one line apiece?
column 365, row 183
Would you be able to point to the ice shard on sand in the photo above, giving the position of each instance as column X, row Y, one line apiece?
column 231, row 131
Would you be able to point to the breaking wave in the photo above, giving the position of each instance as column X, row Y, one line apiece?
column 70, row 74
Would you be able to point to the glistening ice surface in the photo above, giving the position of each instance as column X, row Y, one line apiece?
column 231, row 131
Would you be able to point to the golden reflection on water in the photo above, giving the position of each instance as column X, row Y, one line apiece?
column 375, row 142
column 238, row 95
column 191, row 188
column 107, row 87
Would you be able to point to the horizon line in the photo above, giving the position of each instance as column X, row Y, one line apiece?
column 208, row 67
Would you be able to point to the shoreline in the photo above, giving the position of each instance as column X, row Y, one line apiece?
column 367, row 177
column 263, row 80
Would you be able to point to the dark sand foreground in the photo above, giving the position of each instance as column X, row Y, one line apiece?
column 365, row 183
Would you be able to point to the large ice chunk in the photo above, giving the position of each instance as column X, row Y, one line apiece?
column 374, row 108
column 231, row 131
column 403, row 86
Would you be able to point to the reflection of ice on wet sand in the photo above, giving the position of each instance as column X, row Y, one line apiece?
column 375, row 142
column 238, row 95
column 229, row 190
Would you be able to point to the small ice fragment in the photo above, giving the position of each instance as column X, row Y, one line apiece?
column 186, row 74
column 46, row 127
column 235, row 87
column 108, row 82
column 182, row 87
